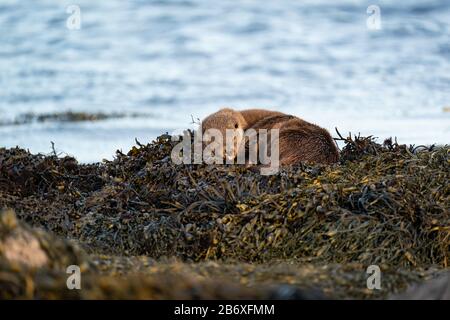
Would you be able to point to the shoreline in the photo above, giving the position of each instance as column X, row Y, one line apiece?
column 142, row 227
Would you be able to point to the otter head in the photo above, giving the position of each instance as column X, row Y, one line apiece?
column 225, row 121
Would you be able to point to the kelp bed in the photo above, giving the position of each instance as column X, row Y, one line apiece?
column 142, row 227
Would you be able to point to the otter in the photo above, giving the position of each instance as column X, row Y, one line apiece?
column 238, row 121
column 300, row 140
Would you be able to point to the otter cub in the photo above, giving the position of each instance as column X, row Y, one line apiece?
column 238, row 122
column 300, row 140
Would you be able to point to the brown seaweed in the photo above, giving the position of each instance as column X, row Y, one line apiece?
column 385, row 204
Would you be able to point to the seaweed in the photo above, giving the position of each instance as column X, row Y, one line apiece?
column 67, row 116
column 315, row 226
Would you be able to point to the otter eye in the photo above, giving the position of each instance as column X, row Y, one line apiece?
column 236, row 126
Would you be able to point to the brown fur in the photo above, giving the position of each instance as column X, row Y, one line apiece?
column 300, row 140
column 252, row 116
column 227, row 118
column 224, row 119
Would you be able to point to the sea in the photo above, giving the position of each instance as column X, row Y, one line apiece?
column 379, row 68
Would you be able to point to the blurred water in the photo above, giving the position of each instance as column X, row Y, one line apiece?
column 174, row 59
